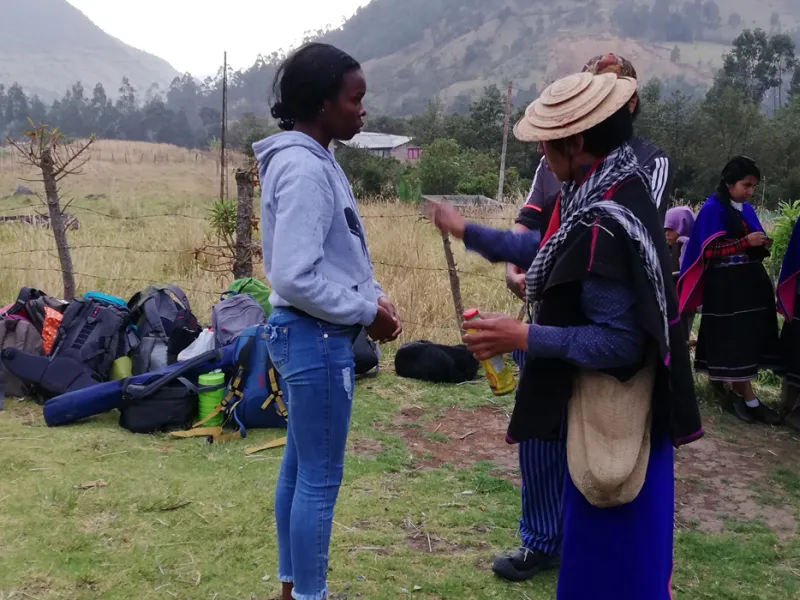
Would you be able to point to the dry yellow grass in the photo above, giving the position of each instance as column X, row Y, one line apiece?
column 123, row 253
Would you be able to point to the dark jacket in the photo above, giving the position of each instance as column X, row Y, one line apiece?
column 545, row 186
column 606, row 250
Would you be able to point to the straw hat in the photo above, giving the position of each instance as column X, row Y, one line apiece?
column 608, row 436
column 572, row 105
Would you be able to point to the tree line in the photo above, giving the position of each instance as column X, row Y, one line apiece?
column 187, row 113
column 753, row 107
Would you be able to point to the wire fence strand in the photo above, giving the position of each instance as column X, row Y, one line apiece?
column 191, row 286
column 108, row 278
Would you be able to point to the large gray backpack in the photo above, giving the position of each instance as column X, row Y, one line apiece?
column 21, row 335
column 232, row 315
column 165, row 326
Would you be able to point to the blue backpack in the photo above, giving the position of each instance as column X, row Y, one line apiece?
column 253, row 398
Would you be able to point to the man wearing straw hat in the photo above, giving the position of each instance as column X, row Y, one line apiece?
column 606, row 358
column 542, row 464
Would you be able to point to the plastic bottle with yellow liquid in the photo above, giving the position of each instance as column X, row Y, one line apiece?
column 499, row 376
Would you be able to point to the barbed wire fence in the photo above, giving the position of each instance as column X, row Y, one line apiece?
column 452, row 273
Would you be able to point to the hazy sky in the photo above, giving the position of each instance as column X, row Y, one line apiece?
column 186, row 32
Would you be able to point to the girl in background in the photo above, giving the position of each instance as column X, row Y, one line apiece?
column 723, row 271
column 788, row 306
column 678, row 227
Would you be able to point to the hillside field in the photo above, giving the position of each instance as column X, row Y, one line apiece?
column 431, row 493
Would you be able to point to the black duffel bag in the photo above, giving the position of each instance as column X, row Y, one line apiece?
column 435, row 363
column 170, row 407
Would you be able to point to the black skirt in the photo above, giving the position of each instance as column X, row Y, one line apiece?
column 739, row 325
column 790, row 347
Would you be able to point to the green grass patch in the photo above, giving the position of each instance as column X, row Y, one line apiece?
column 91, row 511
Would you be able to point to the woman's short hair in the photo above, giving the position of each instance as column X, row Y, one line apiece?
column 306, row 79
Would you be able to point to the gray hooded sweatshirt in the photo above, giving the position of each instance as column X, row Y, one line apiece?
column 315, row 248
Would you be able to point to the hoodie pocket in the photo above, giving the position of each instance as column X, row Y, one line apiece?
column 354, row 225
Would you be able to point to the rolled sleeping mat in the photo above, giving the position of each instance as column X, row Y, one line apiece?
column 52, row 376
column 103, row 397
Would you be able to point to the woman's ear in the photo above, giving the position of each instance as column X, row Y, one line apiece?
column 575, row 144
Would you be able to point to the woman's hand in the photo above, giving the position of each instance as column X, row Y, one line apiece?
column 387, row 304
column 756, row 239
column 495, row 336
column 383, row 327
column 515, row 280
column 446, row 218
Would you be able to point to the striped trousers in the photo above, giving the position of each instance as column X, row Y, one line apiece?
column 543, row 467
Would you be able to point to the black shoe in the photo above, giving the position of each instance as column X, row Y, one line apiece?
column 523, row 564
column 764, row 414
column 735, row 405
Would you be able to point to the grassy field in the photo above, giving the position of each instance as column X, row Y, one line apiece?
column 134, row 244
column 90, row 511
column 430, row 493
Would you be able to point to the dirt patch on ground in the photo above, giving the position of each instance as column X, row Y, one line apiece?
column 365, row 447
column 460, row 438
column 419, row 539
column 98, row 522
column 725, row 475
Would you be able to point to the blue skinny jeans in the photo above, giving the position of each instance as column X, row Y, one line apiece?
column 315, row 361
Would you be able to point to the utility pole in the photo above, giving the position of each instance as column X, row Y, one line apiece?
column 223, row 180
column 502, row 178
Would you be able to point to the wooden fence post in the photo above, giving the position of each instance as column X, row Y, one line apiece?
column 455, row 283
column 243, row 261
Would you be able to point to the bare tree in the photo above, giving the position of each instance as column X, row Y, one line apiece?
column 46, row 149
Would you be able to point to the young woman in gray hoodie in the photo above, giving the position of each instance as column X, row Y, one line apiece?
column 316, row 258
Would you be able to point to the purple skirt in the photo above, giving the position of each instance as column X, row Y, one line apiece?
column 622, row 553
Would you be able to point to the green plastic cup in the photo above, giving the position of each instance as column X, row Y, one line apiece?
column 208, row 401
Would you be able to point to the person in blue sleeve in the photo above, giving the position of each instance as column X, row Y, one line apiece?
column 316, row 258
column 599, row 281
column 542, row 463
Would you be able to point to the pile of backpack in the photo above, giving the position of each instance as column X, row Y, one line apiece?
column 98, row 353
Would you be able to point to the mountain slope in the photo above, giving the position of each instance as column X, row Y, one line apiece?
column 48, row 45
column 413, row 50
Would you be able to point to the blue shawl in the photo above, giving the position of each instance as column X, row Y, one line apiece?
column 711, row 223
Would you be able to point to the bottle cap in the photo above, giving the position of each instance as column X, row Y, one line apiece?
column 471, row 313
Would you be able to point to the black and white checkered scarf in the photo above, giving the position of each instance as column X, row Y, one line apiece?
column 581, row 205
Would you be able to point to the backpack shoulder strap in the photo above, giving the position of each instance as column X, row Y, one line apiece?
column 186, row 367
column 266, row 446
column 236, row 387
column 152, row 316
column 275, row 394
